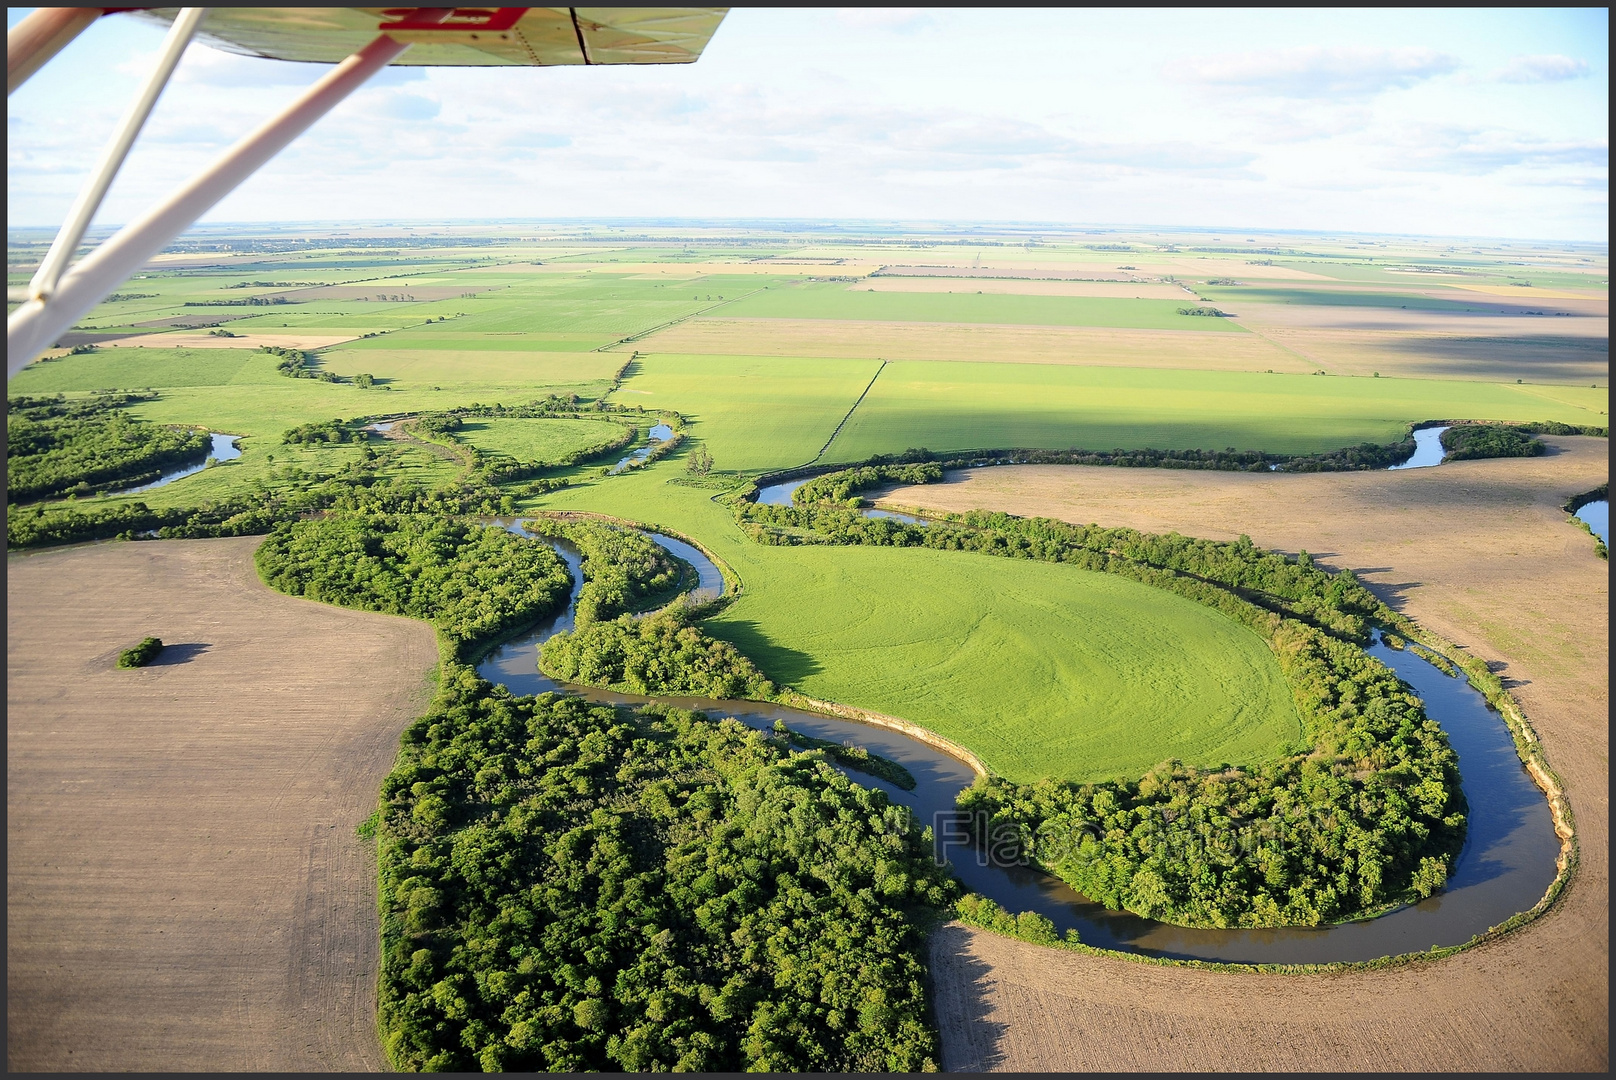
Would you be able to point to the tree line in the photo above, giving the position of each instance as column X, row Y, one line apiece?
column 57, row 447
column 287, row 494
column 297, row 364
column 316, row 432
column 1368, row 813
column 1363, row 456
column 497, row 468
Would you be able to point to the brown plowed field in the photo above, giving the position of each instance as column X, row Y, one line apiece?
column 185, row 890
column 1484, row 353
column 1478, row 551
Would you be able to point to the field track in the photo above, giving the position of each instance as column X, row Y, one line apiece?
column 1480, row 552
column 185, row 888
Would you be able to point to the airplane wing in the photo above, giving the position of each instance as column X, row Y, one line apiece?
column 470, row 37
column 359, row 42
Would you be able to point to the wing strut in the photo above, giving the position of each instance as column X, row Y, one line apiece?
column 41, row 35
column 95, row 188
column 37, row 323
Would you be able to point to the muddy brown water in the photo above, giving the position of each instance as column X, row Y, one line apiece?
column 1508, row 861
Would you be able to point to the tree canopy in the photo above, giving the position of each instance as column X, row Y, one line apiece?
column 566, row 886
column 57, row 447
column 472, row 582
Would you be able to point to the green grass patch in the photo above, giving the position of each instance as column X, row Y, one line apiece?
column 1043, row 670
column 134, row 368
column 511, row 367
column 835, row 300
column 751, row 412
column 960, row 406
column 527, row 439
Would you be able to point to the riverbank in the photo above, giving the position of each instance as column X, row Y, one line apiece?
column 1478, row 551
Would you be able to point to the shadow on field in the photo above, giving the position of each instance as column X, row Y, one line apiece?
column 180, row 653
column 1546, row 358
column 779, row 663
column 960, row 983
column 1393, row 593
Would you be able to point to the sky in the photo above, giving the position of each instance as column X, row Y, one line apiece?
column 1482, row 123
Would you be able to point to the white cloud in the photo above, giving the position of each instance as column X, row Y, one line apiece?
column 964, row 115
column 900, row 20
column 1472, row 151
column 1314, row 71
column 1542, row 69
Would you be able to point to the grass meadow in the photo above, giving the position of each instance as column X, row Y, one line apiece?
column 533, row 439
column 960, row 406
column 1043, row 669
column 752, row 413
column 476, row 366
column 835, row 300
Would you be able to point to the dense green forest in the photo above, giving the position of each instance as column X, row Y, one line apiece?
column 473, row 582
column 657, row 654
column 1463, row 441
column 1367, row 814
column 623, row 568
column 572, row 887
column 57, row 447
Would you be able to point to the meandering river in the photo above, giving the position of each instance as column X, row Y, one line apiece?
column 1507, row 864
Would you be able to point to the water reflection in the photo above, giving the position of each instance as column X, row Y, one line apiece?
column 1427, row 450
column 660, row 433
column 224, row 449
column 1597, row 516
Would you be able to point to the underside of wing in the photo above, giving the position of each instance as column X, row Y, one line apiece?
column 471, row 37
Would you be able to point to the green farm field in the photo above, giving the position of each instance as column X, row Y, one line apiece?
column 961, row 406
column 547, row 439
column 837, row 301
column 1044, row 670
column 752, row 413
column 473, row 366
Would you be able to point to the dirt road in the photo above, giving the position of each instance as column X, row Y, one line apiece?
column 185, row 888
column 1478, row 551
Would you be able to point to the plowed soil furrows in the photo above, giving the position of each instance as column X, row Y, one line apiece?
column 185, row 889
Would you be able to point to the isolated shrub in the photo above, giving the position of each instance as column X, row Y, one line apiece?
column 142, row 654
